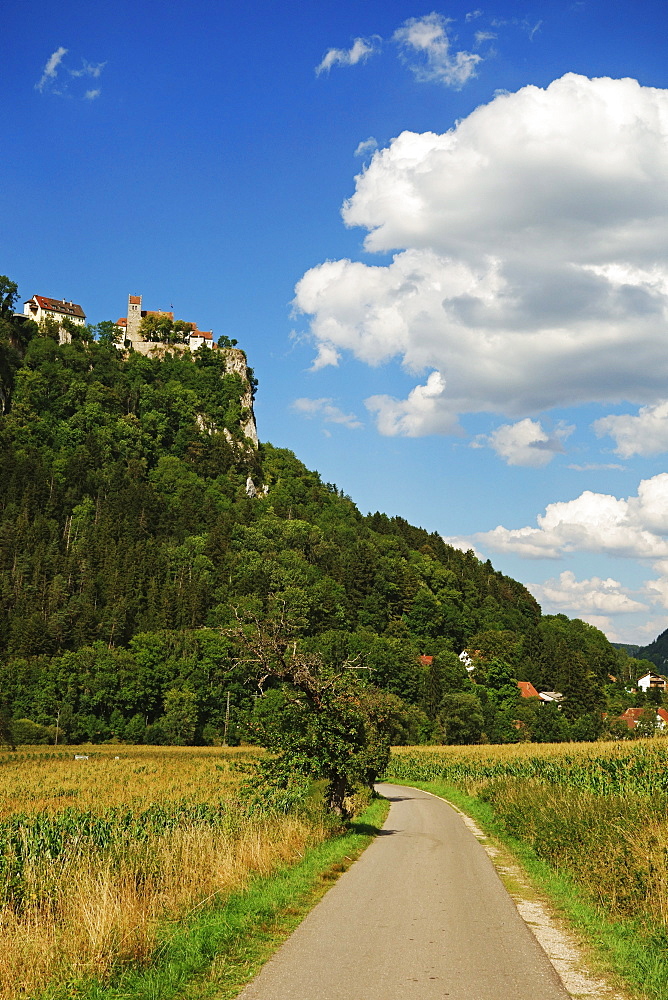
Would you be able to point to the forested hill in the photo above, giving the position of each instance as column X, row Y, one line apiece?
column 657, row 652
column 128, row 537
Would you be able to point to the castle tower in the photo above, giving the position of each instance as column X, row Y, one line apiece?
column 134, row 319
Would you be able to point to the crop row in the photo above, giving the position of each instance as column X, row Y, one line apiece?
column 29, row 840
column 604, row 769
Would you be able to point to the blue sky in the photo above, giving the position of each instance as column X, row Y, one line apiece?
column 439, row 233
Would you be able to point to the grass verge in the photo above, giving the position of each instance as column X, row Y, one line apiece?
column 633, row 961
column 216, row 950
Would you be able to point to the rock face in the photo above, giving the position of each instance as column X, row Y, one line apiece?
column 235, row 361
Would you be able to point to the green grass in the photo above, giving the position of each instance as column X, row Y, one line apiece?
column 216, row 951
column 618, row 949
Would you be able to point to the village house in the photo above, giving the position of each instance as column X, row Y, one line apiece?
column 651, row 682
column 632, row 716
column 130, row 328
column 39, row 308
column 527, row 690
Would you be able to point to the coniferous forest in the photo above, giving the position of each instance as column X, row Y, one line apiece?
column 137, row 523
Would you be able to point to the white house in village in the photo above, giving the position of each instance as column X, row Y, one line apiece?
column 130, row 329
column 39, row 307
column 651, row 681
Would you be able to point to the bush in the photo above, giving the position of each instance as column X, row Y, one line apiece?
column 25, row 731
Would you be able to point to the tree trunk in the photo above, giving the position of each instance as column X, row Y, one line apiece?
column 336, row 793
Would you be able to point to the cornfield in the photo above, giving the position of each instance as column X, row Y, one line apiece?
column 97, row 854
column 595, row 812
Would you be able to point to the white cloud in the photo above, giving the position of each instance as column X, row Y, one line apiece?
column 603, row 624
column 533, row 30
column 657, row 591
column 57, row 77
column 428, row 37
column 595, row 466
column 529, row 267
column 595, row 595
column 88, row 69
column 360, row 51
column 464, row 544
column 644, row 434
column 369, row 145
column 51, row 69
column 527, row 443
column 651, row 629
column 636, row 527
column 327, row 411
column 484, row 36
column 421, row 413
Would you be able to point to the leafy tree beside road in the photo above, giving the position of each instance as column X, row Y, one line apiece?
column 331, row 724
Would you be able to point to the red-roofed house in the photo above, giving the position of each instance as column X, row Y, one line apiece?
column 632, row 717
column 199, row 338
column 39, row 307
column 527, row 690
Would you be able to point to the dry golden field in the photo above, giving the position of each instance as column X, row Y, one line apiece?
column 32, row 781
column 97, row 854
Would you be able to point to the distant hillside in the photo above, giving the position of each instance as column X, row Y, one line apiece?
column 629, row 647
column 656, row 652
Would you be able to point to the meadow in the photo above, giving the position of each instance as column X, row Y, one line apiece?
column 99, row 855
column 595, row 812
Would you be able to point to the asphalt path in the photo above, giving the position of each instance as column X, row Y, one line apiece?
column 422, row 915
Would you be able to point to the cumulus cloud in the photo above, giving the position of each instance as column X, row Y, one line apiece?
column 635, row 527
column 326, row 410
column 643, row 434
column 657, row 590
column 421, row 413
column 526, row 442
column 51, row 69
column 529, row 266
column 595, row 595
column 360, row 51
column 464, row 544
column 427, row 38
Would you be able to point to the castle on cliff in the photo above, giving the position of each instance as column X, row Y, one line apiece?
column 130, row 328
column 135, row 338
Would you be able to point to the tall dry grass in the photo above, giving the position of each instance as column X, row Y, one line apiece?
column 86, row 909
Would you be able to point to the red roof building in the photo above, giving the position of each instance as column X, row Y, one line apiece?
column 39, row 307
column 632, row 717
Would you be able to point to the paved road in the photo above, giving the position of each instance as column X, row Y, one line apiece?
column 421, row 916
